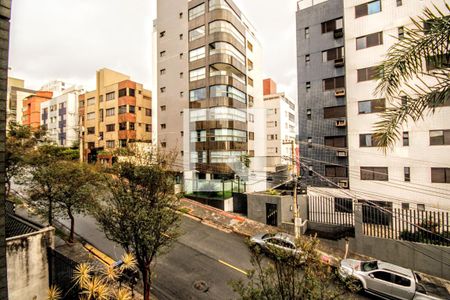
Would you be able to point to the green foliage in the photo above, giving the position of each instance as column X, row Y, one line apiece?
column 405, row 62
column 289, row 276
column 140, row 212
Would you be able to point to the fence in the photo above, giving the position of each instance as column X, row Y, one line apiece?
column 332, row 211
column 430, row 227
column 61, row 274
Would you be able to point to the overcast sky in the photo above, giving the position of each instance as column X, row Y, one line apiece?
column 70, row 39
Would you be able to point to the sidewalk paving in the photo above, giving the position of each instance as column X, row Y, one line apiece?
column 241, row 225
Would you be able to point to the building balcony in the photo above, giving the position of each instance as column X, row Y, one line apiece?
column 127, row 134
column 224, row 58
column 221, row 146
column 218, row 101
column 217, row 78
column 127, row 100
column 219, row 124
column 226, row 37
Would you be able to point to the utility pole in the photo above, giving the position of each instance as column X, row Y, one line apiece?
column 295, row 178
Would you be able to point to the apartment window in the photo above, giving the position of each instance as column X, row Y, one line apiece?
column 251, row 136
column 131, row 92
column 162, row 34
column 198, row 94
column 110, row 144
column 110, row 112
column 148, row 112
column 100, row 115
column 91, row 130
column 333, row 83
column 81, row 103
column 131, row 126
column 196, row 33
column 148, row 127
column 197, row 54
column 401, row 32
column 308, row 86
column 374, row 173
column 370, row 40
column 90, row 101
column 344, row 205
column 197, row 74
column 334, row 112
column 162, row 53
column 163, row 126
column 110, row 127
column 272, row 124
column 90, row 116
column 197, row 11
column 405, row 138
column 250, row 46
column 250, row 81
column 161, row 72
column 440, row 175
column 367, row 140
column 405, row 206
column 335, row 171
column 399, row 2
column 225, row 26
column 122, row 109
column 332, row 25
column 123, row 126
column 336, row 141
column 272, row 137
column 100, row 98
column 110, row 96
column 371, row 106
column 131, row 109
column 123, row 92
column 163, row 144
column 307, row 59
column 407, row 174
column 438, row 62
column 439, row 137
column 227, row 91
column 309, row 113
column 367, row 8
column 307, row 33
column 249, row 64
column 163, row 89
column 163, row 108
column 181, row 94
column 367, row 74
column 333, row 54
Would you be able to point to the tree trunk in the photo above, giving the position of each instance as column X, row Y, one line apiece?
column 72, row 226
column 50, row 212
column 146, row 278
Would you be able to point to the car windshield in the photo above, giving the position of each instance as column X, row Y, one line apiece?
column 267, row 235
column 367, row 266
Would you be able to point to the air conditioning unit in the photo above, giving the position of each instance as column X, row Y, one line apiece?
column 338, row 33
column 341, row 123
column 339, row 62
column 339, row 92
column 343, row 183
column 341, row 153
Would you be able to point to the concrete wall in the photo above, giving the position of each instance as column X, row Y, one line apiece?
column 256, row 205
column 28, row 269
column 5, row 14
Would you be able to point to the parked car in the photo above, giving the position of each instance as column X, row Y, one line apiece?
column 269, row 241
column 384, row 280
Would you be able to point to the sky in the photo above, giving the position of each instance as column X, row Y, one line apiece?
column 70, row 39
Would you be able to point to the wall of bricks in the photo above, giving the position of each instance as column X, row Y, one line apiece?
column 5, row 14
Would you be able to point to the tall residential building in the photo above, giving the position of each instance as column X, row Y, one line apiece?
column 416, row 173
column 58, row 87
column 209, row 91
column 5, row 16
column 281, row 124
column 322, row 110
column 16, row 93
column 31, row 111
column 116, row 113
column 60, row 117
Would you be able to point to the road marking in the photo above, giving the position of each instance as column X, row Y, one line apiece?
column 100, row 255
column 233, row 267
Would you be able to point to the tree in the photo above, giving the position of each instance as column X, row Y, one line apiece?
column 140, row 211
column 289, row 276
column 427, row 42
column 63, row 188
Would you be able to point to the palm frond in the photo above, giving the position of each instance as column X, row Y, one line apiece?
column 54, row 293
column 82, row 274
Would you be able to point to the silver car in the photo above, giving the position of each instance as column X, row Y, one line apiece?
column 383, row 279
column 269, row 241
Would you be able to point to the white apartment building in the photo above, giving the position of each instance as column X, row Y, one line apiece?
column 60, row 116
column 416, row 173
column 281, row 129
column 209, row 92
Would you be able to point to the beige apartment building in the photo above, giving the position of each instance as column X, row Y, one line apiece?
column 209, row 91
column 118, row 112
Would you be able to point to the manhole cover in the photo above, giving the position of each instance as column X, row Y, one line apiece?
column 201, row 286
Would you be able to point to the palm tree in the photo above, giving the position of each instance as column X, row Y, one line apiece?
column 420, row 56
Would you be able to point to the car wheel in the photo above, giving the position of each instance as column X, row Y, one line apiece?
column 354, row 285
column 257, row 248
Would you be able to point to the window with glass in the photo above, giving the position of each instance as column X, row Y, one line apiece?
column 197, row 94
column 405, row 138
column 198, row 136
column 197, row 11
column 367, row 140
column 225, row 26
column 334, row 112
column 90, row 101
column 110, row 144
column 110, row 112
column 197, row 33
column 197, row 54
column 229, row 135
column 218, row 113
column 332, row 54
column 123, row 126
column 122, row 109
column 198, row 157
column 333, row 83
column 339, row 141
column 110, row 127
column 90, row 116
column 123, row 92
column 131, row 126
column 197, row 74
column 336, row 171
column 368, row 8
column 366, row 74
column 110, row 96
column 226, row 156
column 332, row 25
column 440, row 175
column 131, row 109
column 148, row 112
column 371, row 106
column 370, row 40
column 227, row 91
column 226, row 48
column 374, row 173
column 439, row 137
column 91, row 130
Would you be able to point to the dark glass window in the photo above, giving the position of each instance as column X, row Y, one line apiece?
column 335, row 171
column 122, row 92
column 439, row 137
column 91, row 130
column 371, row 106
column 367, row 73
column 110, row 127
column 336, row 141
column 374, row 173
column 332, row 25
column 367, row 8
column 440, row 175
column 335, row 112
